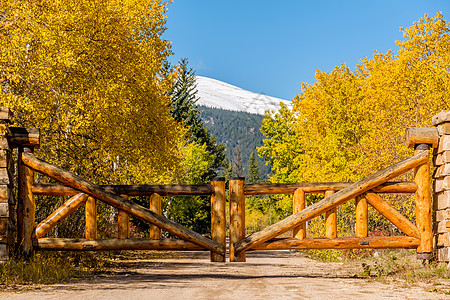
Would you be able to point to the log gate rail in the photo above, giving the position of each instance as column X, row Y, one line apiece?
column 83, row 192
column 364, row 191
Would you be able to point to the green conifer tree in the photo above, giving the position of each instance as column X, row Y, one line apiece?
column 254, row 174
column 193, row 212
column 184, row 110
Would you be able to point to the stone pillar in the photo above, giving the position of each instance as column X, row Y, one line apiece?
column 441, row 199
column 7, row 201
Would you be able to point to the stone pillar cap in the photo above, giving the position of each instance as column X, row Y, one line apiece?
column 442, row 117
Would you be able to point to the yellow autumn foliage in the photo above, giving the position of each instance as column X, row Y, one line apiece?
column 349, row 124
column 88, row 74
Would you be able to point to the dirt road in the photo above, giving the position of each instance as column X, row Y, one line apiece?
column 265, row 275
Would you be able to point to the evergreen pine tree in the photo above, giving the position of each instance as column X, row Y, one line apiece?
column 254, row 174
column 183, row 109
column 193, row 212
column 237, row 162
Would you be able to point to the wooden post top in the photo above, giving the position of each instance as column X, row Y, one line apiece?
column 218, row 179
column 237, row 178
column 422, row 135
column 25, row 137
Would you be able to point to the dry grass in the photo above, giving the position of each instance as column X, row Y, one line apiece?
column 49, row 268
column 402, row 266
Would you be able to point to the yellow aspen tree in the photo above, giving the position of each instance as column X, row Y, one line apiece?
column 88, row 74
column 405, row 89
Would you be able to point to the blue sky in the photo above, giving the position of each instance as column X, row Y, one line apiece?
column 271, row 47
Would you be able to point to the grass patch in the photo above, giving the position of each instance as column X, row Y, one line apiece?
column 403, row 264
column 60, row 267
column 49, row 268
column 389, row 266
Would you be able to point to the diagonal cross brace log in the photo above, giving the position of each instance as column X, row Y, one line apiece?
column 332, row 201
column 121, row 203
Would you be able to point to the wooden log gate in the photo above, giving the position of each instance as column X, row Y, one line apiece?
column 365, row 191
column 30, row 236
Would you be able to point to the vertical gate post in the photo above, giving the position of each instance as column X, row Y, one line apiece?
column 361, row 216
column 422, row 139
column 123, row 223
column 155, row 206
column 424, row 220
column 237, row 217
column 330, row 220
column 91, row 218
column 26, row 206
column 298, row 205
column 218, row 218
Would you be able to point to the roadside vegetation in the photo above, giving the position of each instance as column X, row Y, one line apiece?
column 49, row 268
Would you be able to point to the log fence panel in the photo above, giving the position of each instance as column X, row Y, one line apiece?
column 355, row 189
column 119, row 202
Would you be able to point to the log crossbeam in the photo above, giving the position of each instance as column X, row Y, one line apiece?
column 114, row 244
column 60, row 214
column 377, row 242
column 390, row 213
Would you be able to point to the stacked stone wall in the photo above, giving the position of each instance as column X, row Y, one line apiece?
column 441, row 186
column 7, row 200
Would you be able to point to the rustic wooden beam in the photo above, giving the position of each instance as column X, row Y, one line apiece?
column 155, row 206
column 26, row 205
column 376, row 242
column 422, row 135
column 114, row 244
column 237, row 217
column 60, row 214
column 130, row 190
column 90, row 210
column 362, row 216
column 299, row 204
column 334, row 200
column 24, row 137
column 218, row 217
column 322, row 187
column 424, row 218
column 330, row 220
column 390, row 213
column 123, row 223
column 119, row 202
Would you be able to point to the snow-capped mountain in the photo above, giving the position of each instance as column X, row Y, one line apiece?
column 218, row 94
